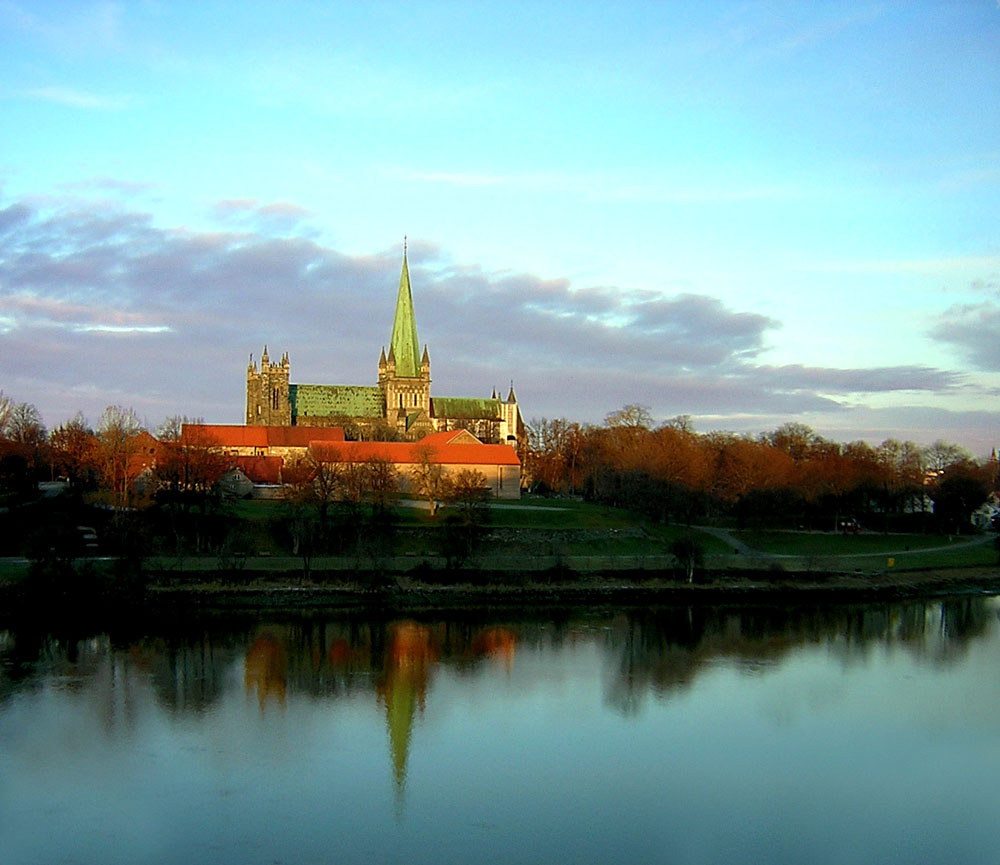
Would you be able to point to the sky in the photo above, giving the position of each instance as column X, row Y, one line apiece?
column 749, row 213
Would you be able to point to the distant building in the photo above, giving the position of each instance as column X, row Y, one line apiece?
column 399, row 404
column 453, row 450
column 258, row 454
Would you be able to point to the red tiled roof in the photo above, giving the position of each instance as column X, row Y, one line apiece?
column 238, row 436
column 260, row 470
column 403, row 453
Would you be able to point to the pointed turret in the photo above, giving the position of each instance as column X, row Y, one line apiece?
column 510, row 396
column 405, row 346
column 264, row 358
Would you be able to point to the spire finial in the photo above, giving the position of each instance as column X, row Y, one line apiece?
column 404, row 244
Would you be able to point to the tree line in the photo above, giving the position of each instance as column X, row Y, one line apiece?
column 169, row 495
column 790, row 477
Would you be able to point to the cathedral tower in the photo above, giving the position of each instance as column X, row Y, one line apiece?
column 268, row 402
column 404, row 376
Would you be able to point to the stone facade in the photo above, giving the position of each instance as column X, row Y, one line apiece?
column 400, row 405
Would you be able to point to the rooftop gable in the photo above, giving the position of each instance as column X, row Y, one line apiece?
column 455, row 436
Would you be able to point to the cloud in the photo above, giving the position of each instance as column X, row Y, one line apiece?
column 608, row 188
column 974, row 330
column 71, row 98
column 110, row 184
column 248, row 213
column 946, row 265
column 794, row 377
column 97, row 300
column 70, row 28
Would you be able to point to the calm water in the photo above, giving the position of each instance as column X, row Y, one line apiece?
column 740, row 735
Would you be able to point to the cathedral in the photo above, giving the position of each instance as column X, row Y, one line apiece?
column 400, row 405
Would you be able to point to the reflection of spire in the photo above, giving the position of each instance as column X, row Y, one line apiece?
column 400, row 709
column 404, row 688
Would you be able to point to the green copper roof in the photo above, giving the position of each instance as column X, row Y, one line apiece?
column 465, row 408
column 335, row 400
column 405, row 345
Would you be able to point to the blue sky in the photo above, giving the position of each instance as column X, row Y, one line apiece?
column 746, row 212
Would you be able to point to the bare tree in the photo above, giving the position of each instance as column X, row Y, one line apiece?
column 74, row 450
column 317, row 482
column 631, row 415
column 469, row 492
column 427, row 478
column 172, row 427
column 28, row 435
column 6, row 406
column 118, row 443
column 940, row 455
column 382, row 479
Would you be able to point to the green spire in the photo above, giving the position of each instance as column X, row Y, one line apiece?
column 404, row 344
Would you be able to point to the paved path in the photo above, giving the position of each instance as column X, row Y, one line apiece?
column 743, row 549
column 724, row 536
column 511, row 505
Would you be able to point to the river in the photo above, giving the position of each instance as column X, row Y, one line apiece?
column 819, row 734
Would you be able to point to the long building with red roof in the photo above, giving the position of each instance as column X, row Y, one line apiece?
column 261, row 452
column 454, row 451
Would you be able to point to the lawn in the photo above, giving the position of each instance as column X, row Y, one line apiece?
column 11, row 571
column 823, row 544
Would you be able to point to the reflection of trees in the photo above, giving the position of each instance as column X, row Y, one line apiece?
column 651, row 652
column 188, row 675
column 663, row 650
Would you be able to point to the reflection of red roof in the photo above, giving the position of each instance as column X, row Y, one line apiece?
column 412, row 452
column 237, row 436
column 260, row 470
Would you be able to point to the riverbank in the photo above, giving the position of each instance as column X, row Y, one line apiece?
column 480, row 588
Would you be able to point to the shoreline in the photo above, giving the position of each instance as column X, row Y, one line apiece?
column 211, row 592
column 622, row 589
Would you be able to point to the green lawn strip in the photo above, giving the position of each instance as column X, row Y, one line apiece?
column 982, row 554
column 804, row 543
column 11, row 572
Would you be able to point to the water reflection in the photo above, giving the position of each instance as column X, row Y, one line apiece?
column 270, row 677
column 652, row 652
column 658, row 650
